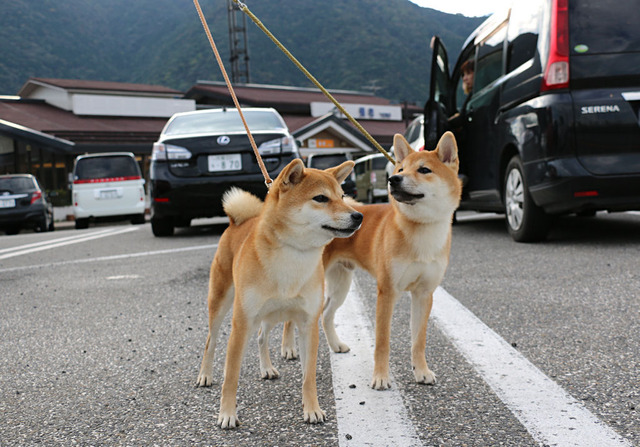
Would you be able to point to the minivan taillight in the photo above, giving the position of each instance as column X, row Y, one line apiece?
column 556, row 74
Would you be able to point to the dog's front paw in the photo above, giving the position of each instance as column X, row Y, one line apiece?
column 269, row 373
column 340, row 348
column 289, row 353
column 425, row 376
column 228, row 420
column 381, row 383
column 205, row 379
column 314, row 416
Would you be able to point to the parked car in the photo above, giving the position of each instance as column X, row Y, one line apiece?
column 371, row 178
column 24, row 204
column 107, row 186
column 200, row 154
column 551, row 126
column 324, row 161
column 414, row 134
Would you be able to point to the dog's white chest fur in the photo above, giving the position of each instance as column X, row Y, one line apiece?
column 424, row 265
column 287, row 285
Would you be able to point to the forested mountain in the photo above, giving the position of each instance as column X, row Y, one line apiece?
column 345, row 44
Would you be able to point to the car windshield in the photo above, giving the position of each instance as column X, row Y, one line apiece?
column 16, row 184
column 327, row 161
column 223, row 122
column 106, row 167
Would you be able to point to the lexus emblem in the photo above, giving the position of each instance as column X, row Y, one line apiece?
column 224, row 140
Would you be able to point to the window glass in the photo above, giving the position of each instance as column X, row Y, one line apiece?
column 604, row 26
column 523, row 32
column 327, row 161
column 14, row 185
column 379, row 163
column 489, row 66
column 106, row 167
column 221, row 122
column 413, row 131
column 441, row 74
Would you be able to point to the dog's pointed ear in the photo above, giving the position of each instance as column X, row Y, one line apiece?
column 401, row 147
column 448, row 150
column 342, row 171
column 292, row 174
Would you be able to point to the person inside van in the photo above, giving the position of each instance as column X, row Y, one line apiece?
column 455, row 121
column 467, row 70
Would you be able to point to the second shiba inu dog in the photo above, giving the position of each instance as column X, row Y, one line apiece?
column 269, row 266
column 405, row 245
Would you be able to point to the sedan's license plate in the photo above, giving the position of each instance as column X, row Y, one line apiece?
column 7, row 203
column 225, row 163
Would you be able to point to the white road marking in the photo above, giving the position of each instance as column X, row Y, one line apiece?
column 112, row 258
column 549, row 413
column 32, row 248
column 366, row 417
column 120, row 277
column 50, row 241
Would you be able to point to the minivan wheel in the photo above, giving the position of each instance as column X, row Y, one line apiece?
column 162, row 227
column 526, row 221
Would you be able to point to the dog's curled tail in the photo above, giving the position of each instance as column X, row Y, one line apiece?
column 240, row 205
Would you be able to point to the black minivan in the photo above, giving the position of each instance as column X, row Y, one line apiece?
column 551, row 125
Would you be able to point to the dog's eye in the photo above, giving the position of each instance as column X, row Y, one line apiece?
column 424, row 170
column 321, row 198
column 400, row 170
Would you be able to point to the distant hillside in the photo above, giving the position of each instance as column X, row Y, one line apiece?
column 345, row 44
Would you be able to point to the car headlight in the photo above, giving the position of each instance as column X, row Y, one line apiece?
column 163, row 151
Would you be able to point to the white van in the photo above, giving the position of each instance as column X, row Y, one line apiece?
column 107, row 186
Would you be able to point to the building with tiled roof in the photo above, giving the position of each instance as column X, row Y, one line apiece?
column 51, row 121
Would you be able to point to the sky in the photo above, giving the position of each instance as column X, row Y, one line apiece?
column 470, row 8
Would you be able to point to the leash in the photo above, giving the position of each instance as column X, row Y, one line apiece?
column 264, row 29
column 265, row 173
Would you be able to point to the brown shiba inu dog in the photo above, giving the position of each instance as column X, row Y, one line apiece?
column 269, row 266
column 405, row 245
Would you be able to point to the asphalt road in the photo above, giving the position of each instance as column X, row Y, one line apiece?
column 102, row 331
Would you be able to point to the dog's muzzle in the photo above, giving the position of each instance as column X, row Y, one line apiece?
column 399, row 193
column 356, row 221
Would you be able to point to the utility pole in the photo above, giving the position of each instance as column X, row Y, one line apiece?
column 238, row 42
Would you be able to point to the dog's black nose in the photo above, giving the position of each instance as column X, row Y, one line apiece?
column 395, row 180
column 356, row 218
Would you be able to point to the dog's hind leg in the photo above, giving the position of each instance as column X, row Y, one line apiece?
column 220, row 299
column 267, row 370
column 338, row 278
column 420, row 310
column 288, row 349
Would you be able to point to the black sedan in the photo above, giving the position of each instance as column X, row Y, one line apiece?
column 201, row 154
column 23, row 204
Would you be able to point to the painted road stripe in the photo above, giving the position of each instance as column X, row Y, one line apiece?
column 49, row 241
column 548, row 412
column 366, row 417
column 112, row 258
column 56, row 243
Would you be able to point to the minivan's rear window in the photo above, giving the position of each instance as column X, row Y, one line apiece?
column 604, row 26
column 223, row 122
column 108, row 168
